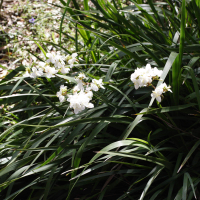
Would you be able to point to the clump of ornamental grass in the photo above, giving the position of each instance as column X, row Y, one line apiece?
column 99, row 122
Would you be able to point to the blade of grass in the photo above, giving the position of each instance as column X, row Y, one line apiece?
column 188, row 155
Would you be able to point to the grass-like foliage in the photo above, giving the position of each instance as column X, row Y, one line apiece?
column 129, row 145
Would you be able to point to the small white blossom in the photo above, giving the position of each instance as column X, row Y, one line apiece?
column 159, row 90
column 50, row 71
column 144, row 77
column 157, row 94
column 88, row 89
column 145, row 80
column 62, row 93
column 25, row 63
column 135, row 79
column 60, row 96
column 89, row 94
column 79, row 101
column 81, row 76
column 36, row 72
column 71, row 62
column 165, row 88
column 71, row 59
column 74, row 55
column 59, row 62
column 80, row 84
column 156, row 72
column 148, row 69
column 42, row 65
column 96, row 84
column 76, row 89
column 52, row 58
column 79, row 81
column 65, row 70
column 94, row 87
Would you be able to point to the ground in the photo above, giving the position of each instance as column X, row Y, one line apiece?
column 21, row 23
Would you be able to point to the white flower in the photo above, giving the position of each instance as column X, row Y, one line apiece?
column 36, row 72
column 60, row 96
column 76, row 89
column 50, row 71
column 96, row 84
column 89, row 94
column 34, row 58
column 145, row 80
column 81, row 76
column 42, row 65
column 63, row 90
column 74, row 55
column 144, row 76
column 156, row 72
column 80, row 84
column 71, row 59
column 88, row 89
column 162, row 88
column 71, row 62
column 94, row 87
column 52, row 58
column 165, row 88
column 79, row 101
column 157, row 94
column 25, row 63
column 148, row 69
column 59, row 62
column 62, row 93
column 79, row 81
column 65, row 70
column 136, row 80
column 137, row 84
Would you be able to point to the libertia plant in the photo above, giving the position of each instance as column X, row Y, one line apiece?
column 97, row 121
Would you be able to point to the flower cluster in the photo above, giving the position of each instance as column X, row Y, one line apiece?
column 81, row 94
column 54, row 63
column 80, row 101
column 143, row 77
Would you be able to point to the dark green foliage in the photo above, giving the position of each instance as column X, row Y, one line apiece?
column 127, row 146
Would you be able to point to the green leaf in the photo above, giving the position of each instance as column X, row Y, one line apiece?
column 189, row 154
column 196, row 88
column 43, row 51
column 157, row 161
column 191, row 183
column 185, row 186
column 176, row 68
column 111, row 70
column 46, row 99
column 168, row 109
column 153, row 177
